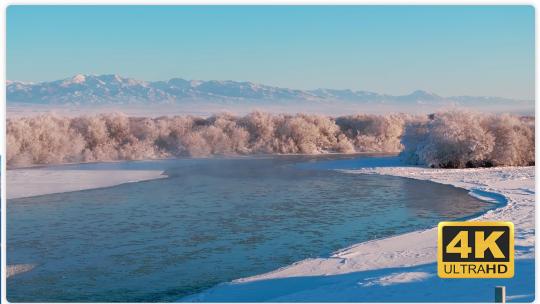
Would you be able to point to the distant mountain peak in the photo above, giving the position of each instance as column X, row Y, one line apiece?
column 423, row 93
column 79, row 78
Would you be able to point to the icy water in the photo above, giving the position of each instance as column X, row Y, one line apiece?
column 211, row 221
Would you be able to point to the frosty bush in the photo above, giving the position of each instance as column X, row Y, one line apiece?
column 374, row 133
column 452, row 139
column 460, row 139
column 49, row 139
column 43, row 140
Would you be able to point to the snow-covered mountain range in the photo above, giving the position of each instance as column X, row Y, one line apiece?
column 113, row 89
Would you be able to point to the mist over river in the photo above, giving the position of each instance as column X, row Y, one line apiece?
column 211, row 221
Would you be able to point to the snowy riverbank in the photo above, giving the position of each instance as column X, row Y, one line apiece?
column 403, row 267
column 41, row 181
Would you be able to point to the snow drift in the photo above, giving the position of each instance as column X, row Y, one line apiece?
column 451, row 139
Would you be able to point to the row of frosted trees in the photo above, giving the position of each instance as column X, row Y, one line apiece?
column 450, row 139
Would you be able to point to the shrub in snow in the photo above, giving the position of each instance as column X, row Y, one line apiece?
column 458, row 139
column 374, row 133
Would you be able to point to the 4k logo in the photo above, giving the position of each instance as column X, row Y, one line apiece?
column 476, row 250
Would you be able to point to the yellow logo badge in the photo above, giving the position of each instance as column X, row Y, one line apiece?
column 475, row 250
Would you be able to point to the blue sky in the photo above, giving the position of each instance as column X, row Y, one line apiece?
column 460, row 50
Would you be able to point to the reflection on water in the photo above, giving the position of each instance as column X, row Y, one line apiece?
column 211, row 221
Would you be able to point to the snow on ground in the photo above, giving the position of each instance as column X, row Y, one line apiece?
column 397, row 278
column 17, row 269
column 403, row 267
column 40, row 181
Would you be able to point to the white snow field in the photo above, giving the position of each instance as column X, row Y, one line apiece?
column 41, row 181
column 403, row 267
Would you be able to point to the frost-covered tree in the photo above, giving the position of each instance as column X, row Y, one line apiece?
column 374, row 133
column 458, row 139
